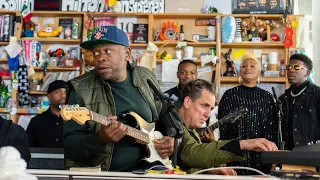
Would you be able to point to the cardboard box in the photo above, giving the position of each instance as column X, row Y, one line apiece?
column 183, row 6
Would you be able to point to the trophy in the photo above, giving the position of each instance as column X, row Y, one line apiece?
column 230, row 65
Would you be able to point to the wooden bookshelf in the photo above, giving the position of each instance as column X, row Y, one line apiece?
column 253, row 45
column 197, row 61
column 38, row 92
column 53, row 40
column 3, row 59
column 225, row 79
column 19, row 111
column 3, row 43
column 138, row 45
column 173, row 44
column 57, row 68
column 26, row 111
column 260, row 16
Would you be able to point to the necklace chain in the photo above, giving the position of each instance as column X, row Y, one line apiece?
column 295, row 95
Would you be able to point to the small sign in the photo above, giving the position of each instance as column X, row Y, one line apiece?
column 256, row 39
column 142, row 6
column 15, row 5
column 181, row 43
column 83, row 5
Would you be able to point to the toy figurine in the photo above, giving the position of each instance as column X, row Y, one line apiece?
column 230, row 65
column 252, row 4
column 242, row 4
column 262, row 4
column 273, row 4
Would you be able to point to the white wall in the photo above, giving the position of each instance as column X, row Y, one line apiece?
column 316, row 39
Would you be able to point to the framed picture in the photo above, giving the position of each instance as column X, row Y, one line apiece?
column 74, row 52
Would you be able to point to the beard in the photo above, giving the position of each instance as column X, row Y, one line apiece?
column 112, row 76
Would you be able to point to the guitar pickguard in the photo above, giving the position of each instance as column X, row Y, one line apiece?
column 153, row 153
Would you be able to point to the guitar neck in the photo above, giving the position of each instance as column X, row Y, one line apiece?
column 215, row 125
column 142, row 137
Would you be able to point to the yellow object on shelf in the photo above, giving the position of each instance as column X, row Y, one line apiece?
column 50, row 34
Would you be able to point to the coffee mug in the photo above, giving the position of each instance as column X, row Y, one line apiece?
column 188, row 52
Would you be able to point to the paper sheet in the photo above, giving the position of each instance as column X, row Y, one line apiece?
column 169, row 70
column 257, row 53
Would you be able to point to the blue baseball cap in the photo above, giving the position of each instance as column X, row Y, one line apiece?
column 106, row 35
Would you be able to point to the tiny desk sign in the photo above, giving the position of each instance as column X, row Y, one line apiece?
column 15, row 5
column 83, row 5
column 140, row 33
column 142, row 6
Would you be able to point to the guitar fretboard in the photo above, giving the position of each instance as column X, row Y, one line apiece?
column 132, row 132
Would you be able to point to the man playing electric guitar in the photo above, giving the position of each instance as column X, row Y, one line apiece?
column 113, row 88
column 197, row 102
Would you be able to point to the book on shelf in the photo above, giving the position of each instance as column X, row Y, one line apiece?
column 140, row 33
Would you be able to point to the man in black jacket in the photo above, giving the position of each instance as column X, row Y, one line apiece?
column 300, row 104
column 14, row 135
column 46, row 129
column 187, row 71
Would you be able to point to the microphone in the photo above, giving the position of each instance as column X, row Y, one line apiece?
column 156, row 90
column 274, row 93
column 173, row 125
column 279, row 118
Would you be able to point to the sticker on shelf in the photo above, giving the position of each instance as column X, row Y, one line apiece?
column 181, row 43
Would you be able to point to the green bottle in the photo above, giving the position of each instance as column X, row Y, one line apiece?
column 3, row 95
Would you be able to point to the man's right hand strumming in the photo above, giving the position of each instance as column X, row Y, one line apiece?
column 114, row 132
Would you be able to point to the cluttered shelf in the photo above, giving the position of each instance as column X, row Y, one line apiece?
column 183, row 16
column 261, row 16
column 197, row 61
column 38, row 92
column 54, row 40
column 57, row 68
column 174, row 43
column 22, row 111
column 253, row 45
column 225, row 79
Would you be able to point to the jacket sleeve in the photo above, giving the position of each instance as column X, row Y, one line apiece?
column 30, row 131
column 20, row 142
column 79, row 144
column 203, row 155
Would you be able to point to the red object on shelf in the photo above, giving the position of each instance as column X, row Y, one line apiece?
column 4, row 73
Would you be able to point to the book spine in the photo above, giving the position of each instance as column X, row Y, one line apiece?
column 1, row 27
column 11, row 25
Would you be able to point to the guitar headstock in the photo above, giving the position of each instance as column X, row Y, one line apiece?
column 234, row 115
column 237, row 113
column 78, row 114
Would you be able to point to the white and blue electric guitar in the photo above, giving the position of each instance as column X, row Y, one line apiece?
column 142, row 131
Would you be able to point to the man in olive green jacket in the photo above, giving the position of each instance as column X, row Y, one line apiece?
column 198, row 101
column 113, row 88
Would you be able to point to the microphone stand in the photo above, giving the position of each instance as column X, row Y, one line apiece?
column 172, row 122
column 278, row 105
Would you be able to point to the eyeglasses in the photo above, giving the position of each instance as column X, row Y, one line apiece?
column 296, row 67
